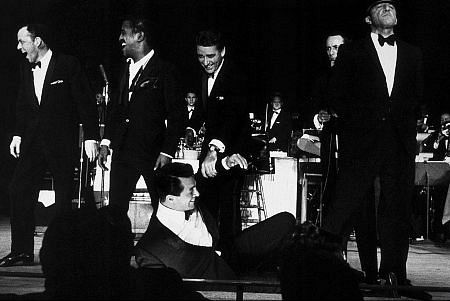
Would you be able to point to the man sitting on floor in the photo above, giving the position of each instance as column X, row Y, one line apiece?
column 183, row 235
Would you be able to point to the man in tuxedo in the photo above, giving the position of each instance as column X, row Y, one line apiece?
column 438, row 141
column 224, row 97
column 279, row 125
column 375, row 88
column 182, row 234
column 135, row 130
column 326, row 121
column 194, row 113
column 54, row 97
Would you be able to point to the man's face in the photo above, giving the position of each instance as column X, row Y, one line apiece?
column 27, row 45
column 445, row 119
column 210, row 58
column 128, row 40
column 383, row 15
column 276, row 103
column 332, row 44
column 191, row 98
column 186, row 200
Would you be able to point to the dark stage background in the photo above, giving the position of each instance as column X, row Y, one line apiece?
column 278, row 43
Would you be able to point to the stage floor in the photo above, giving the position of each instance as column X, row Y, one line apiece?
column 428, row 265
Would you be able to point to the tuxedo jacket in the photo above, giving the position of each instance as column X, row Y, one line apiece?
column 197, row 118
column 66, row 102
column 136, row 127
column 281, row 130
column 359, row 93
column 226, row 110
column 161, row 247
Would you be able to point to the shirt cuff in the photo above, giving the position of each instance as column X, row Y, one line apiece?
column 317, row 123
column 217, row 143
column 224, row 163
column 105, row 142
column 167, row 155
column 17, row 139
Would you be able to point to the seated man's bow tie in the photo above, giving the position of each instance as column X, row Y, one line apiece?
column 276, row 111
column 187, row 214
column 390, row 40
column 36, row 64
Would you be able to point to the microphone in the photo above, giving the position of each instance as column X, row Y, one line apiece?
column 102, row 71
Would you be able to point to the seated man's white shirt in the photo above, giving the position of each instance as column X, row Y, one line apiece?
column 192, row 231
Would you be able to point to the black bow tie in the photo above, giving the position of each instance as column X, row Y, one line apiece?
column 390, row 40
column 276, row 112
column 34, row 65
column 210, row 75
column 187, row 214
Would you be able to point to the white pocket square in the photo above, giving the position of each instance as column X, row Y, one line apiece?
column 59, row 81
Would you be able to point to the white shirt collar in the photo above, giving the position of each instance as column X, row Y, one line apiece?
column 193, row 231
column 374, row 37
column 45, row 60
column 135, row 66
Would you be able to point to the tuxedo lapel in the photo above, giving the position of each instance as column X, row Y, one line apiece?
column 204, row 91
column 48, row 77
column 375, row 60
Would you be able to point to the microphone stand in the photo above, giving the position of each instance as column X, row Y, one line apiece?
column 80, row 172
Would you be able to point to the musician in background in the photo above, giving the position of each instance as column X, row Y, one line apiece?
column 194, row 116
column 438, row 141
column 279, row 124
column 438, row 144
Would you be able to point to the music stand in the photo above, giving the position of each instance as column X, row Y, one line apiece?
column 431, row 173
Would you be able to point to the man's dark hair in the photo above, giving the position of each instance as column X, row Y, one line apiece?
column 167, row 178
column 210, row 37
column 142, row 24
column 338, row 33
column 276, row 94
column 40, row 30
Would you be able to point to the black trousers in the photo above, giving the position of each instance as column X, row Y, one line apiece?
column 220, row 196
column 24, row 192
column 125, row 172
column 395, row 168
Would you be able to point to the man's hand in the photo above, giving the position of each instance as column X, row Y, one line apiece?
column 161, row 161
column 91, row 149
column 323, row 116
column 103, row 156
column 209, row 165
column 14, row 147
column 236, row 159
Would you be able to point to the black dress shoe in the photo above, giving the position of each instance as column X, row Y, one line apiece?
column 17, row 259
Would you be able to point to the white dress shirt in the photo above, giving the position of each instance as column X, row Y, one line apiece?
column 39, row 74
column 387, row 55
column 190, row 110
column 192, row 231
column 135, row 67
column 212, row 79
column 274, row 117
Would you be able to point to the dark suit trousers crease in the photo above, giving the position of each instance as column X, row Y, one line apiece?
column 396, row 171
column 24, row 191
column 125, row 173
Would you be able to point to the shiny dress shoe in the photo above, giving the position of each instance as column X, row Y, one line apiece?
column 17, row 259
